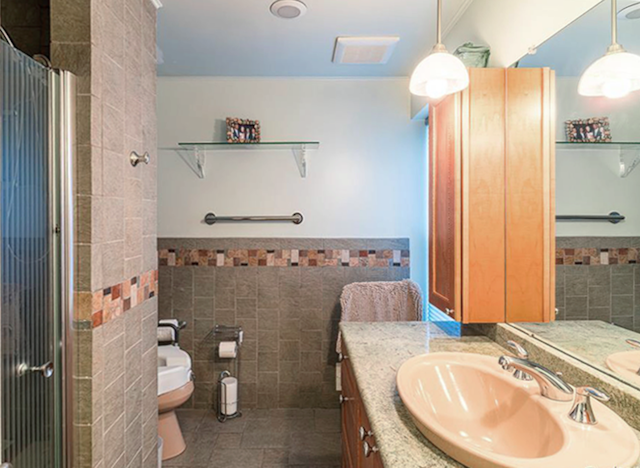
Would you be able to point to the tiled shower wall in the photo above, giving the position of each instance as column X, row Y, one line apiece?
column 598, row 278
column 110, row 47
column 285, row 295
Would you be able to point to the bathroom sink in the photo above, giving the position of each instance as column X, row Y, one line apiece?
column 481, row 416
column 626, row 364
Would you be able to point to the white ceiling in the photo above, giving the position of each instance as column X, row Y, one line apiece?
column 242, row 38
column 574, row 48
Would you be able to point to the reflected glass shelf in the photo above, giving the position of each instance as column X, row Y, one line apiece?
column 628, row 152
column 263, row 145
column 611, row 145
column 193, row 153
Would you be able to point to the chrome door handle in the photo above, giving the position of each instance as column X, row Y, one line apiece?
column 363, row 433
column 368, row 449
column 46, row 370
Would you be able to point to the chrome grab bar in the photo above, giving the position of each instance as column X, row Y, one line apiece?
column 211, row 218
column 614, row 217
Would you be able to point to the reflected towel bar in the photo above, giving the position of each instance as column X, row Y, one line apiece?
column 614, row 217
column 211, row 218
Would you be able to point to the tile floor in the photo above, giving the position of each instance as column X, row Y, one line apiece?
column 292, row 438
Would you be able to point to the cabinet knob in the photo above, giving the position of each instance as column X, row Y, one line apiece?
column 449, row 311
column 368, row 449
column 342, row 357
column 344, row 399
column 364, row 433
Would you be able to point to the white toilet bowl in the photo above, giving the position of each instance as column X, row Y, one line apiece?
column 175, row 387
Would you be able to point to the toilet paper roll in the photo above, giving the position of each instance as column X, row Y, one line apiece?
column 228, row 349
column 229, row 396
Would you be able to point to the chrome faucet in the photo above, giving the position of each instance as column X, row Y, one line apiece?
column 522, row 354
column 582, row 411
column 551, row 385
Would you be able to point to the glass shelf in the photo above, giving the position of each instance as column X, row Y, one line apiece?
column 628, row 152
column 263, row 145
column 610, row 145
column 193, row 153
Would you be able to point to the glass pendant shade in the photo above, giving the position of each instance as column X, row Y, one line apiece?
column 439, row 74
column 614, row 76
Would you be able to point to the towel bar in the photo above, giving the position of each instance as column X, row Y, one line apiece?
column 614, row 217
column 211, row 218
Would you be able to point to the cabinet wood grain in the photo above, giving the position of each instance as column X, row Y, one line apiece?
column 492, row 183
column 355, row 424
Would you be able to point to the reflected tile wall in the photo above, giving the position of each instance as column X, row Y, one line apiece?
column 603, row 284
column 289, row 313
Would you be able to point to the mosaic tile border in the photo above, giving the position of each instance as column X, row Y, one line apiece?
column 381, row 258
column 112, row 302
column 598, row 256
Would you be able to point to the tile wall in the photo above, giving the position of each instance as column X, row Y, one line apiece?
column 598, row 278
column 285, row 295
column 110, row 47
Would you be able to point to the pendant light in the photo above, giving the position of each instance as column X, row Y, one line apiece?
column 440, row 73
column 616, row 74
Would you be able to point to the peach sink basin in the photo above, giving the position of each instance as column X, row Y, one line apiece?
column 626, row 364
column 482, row 417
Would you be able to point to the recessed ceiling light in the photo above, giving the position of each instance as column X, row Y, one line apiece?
column 288, row 9
column 631, row 12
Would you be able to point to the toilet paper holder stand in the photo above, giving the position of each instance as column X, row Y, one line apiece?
column 227, row 333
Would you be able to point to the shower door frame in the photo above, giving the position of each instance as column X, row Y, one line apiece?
column 62, row 107
column 61, row 159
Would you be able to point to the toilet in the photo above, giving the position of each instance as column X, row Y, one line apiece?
column 175, row 387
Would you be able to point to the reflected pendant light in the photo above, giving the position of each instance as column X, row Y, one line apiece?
column 616, row 74
column 440, row 73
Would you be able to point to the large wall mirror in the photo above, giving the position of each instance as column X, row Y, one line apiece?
column 597, row 201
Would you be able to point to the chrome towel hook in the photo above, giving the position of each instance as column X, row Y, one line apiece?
column 136, row 159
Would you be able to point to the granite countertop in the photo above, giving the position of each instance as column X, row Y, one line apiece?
column 376, row 351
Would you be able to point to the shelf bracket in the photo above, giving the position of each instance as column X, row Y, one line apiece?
column 300, row 155
column 195, row 159
column 628, row 164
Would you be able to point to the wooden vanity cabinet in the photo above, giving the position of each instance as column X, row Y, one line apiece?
column 492, row 200
column 355, row 423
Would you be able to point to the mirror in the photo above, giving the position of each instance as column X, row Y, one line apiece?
column 597, row 200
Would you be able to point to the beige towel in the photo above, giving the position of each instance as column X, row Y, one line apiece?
column 384, row 301
column 167, row 334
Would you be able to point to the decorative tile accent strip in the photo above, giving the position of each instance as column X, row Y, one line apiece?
column 595, row 256
column 115, row 300
column 284, row 258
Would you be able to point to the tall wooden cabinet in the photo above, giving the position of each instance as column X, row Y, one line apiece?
column 492, row 201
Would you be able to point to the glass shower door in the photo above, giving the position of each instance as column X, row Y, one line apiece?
column 28, row 380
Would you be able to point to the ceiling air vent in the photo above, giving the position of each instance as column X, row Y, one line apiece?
column 364, row 50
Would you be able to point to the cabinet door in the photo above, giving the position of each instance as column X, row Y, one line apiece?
column 350, row 417
column 530, row 229
column 445, row 206
column 483, row 199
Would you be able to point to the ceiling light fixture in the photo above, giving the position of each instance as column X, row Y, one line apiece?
column 630, row 12
column 440, row 73
column 288, row 9
column 614, row 75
